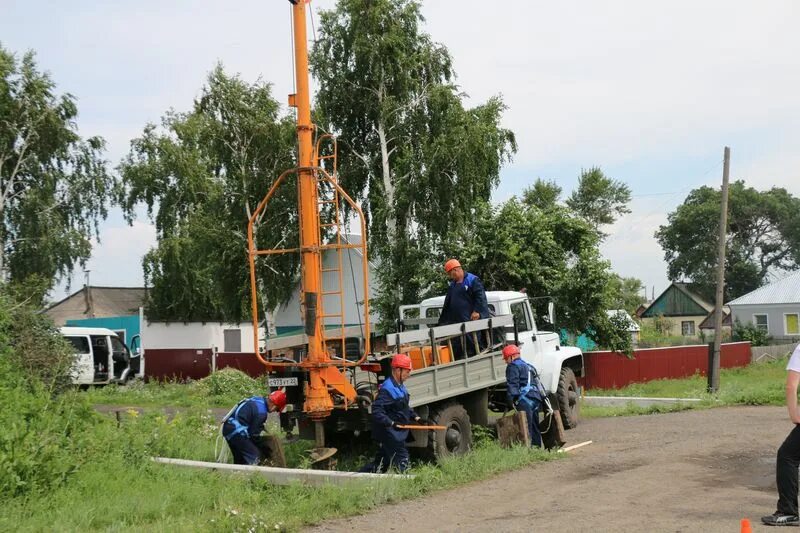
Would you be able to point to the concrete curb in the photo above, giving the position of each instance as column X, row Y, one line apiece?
column 286, row 476
column 621, row 401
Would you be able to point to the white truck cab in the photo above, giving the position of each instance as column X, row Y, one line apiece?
column 101, row 357
column 557, row 365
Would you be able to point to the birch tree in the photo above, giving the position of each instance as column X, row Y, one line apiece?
column 413, row 153
column 54, row 186
column 201, row 175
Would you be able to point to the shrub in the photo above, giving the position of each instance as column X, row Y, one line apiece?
column 230, row 382
column 749, row 332
column 32, row 343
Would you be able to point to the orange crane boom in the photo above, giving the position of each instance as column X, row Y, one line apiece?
column 316, row 187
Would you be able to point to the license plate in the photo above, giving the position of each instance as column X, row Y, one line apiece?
column 282, row 382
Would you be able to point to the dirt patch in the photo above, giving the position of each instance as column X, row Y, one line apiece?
column 678, row 472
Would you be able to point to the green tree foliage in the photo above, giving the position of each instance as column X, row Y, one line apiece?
column 543, row 194
column 54, row 185
column 627, row 293
column 201, row 175
column 599, row 199
column 763, row 236
column 417, row 157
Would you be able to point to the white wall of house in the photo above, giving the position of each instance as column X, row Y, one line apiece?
column 353, row 290
column 780, row 318
column 199, row 335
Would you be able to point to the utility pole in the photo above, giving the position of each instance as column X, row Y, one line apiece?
column 713, row 367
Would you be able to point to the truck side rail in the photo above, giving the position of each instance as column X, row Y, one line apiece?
column 440, row 382
column 450, row 330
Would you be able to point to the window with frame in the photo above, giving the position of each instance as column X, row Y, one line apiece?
column 761, row 322
column 687, row 328
column 791, row 323
column 521, row 319
column 232, row 340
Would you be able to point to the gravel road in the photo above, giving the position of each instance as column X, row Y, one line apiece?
column 680, row 472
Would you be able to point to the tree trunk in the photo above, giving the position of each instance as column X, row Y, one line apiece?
column 388, row 186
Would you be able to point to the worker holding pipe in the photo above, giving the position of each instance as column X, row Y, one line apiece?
column 243, row 424
column 524, row 391
column 390, row 410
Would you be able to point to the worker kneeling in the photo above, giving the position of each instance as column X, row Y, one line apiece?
column 524, row 392
column 390, row 410
column 244, row 423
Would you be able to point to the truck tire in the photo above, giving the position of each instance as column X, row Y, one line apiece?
column 456, row 439
column 567, row 395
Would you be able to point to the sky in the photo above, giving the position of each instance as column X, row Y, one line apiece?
column 649, row 92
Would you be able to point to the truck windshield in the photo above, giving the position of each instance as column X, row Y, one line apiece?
column 79, row 344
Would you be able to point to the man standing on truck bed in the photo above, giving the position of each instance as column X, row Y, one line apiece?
column 244, row 423
column 523, row 390
column 465, row 301
column 390, row 410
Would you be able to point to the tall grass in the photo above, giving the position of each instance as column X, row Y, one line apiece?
column 755, row 384
column 117, row 488
column 221, row 389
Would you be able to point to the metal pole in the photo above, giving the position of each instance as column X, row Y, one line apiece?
column 713, row 370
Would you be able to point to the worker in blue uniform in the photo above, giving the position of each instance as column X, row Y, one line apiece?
column 465, row 301
column 244, row 423
column 524, row 391
column 390, row 410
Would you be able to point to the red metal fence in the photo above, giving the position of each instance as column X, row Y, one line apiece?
column 609, row 370
column 177, row 364
column 604, row 370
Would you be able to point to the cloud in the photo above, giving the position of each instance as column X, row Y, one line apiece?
column 117, row 259
column 651, row 92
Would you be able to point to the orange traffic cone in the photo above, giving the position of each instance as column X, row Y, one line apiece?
column 746, row 526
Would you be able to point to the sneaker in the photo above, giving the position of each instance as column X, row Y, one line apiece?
column 781, row 519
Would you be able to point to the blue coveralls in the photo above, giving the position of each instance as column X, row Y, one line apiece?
column 460, row 302
column 242, row 430
column 524, row 394
column 391, row 406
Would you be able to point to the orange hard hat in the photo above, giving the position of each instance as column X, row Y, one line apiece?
column 510, row 351
column 278, row 399
column 451, row 264
column 401, row 360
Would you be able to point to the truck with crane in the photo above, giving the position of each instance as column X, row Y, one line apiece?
column 330, row 371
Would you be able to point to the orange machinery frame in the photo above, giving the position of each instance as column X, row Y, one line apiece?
column 324, row 376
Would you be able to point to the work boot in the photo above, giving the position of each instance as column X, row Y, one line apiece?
column 781, row 519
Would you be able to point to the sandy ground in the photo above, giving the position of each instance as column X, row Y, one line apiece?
column 690, row 471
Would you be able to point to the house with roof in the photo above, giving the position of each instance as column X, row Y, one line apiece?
column 708, row 325
column 678, row 311
column 115, row 308
column 773, row 308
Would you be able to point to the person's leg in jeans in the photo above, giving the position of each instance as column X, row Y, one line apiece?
column 786, row 472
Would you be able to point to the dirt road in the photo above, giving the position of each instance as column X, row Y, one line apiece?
column 691, row 471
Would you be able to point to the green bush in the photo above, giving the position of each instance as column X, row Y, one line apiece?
column 749, row 332
column 30, row 341
column 230, row 382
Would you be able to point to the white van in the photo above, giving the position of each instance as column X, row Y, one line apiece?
column 101, row 357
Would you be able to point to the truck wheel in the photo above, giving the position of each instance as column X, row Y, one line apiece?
column 456, row 439
column 567, row 395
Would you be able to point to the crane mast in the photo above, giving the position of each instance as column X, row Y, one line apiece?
column 316, row 187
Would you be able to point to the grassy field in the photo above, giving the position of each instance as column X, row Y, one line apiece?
column 113, row 485
column 121, row 490
column 756, row 384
